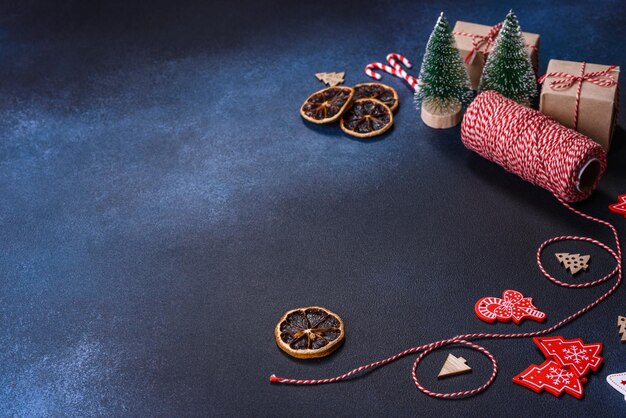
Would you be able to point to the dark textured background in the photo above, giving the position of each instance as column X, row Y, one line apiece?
column 163, row 203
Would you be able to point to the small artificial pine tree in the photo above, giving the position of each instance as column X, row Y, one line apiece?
column 508, row 69
column 443, row 79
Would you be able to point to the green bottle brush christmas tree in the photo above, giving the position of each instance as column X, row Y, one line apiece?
column 444, row 85
column 508, row 69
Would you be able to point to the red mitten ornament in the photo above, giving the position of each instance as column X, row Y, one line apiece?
column 568, row 362
column 513, row 306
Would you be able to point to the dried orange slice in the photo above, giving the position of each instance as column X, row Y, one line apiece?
column 377, row 91
column 310, row 332
column 366, row 118
column 326, row 105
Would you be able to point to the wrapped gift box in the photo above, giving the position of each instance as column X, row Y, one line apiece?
column 475, row 41
column 591, row 113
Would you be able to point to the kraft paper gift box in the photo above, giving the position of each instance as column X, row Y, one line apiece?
column 475, row 41
column 591, row 111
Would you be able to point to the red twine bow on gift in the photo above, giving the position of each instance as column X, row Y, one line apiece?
column 566, row 80
column 478, row 41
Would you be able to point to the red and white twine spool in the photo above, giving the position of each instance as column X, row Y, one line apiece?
column 518, row 138
column 533, row 146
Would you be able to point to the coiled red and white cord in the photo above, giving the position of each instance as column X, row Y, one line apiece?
column 464, row 339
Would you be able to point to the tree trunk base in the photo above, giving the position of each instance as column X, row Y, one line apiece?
column 436, row 119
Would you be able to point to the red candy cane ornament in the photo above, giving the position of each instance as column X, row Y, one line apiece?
column 513, row 306
column 619, row 207
column 395, row 69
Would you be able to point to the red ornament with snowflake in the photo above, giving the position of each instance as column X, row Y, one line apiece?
column 551, row 377
column 574, row 353
column 566, row 366
column 620, row 206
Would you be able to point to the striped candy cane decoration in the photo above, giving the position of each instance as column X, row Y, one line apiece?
column 391, row 59
column 369, row 70
column 395, row 69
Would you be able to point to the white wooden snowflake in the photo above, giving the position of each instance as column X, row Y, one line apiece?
column 576, row 355
column 559, row 376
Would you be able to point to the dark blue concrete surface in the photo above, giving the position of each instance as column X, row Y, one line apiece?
column 163, row 204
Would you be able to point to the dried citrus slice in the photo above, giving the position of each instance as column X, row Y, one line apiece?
column 327, row 105
column 377, row 91
column 366, row 118
column 309, row 332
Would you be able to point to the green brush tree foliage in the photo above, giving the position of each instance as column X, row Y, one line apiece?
column 508, row 69
column 443, row 79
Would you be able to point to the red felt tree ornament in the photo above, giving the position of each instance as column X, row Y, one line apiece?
column 566, row 366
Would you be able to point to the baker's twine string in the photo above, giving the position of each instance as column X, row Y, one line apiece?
column 543, row 152
column 564, row 81
column 486, row 41
column 464, row 339
column 478, row 41
column 395, row 69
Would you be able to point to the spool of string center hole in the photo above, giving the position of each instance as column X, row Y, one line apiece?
column 533, row 146
column 588, row 175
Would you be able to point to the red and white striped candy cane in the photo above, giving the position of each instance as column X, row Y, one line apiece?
column 369, row 70
column 393, row 56
column 391, row 59
column 395, row 69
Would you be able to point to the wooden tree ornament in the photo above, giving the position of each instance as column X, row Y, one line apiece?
column 331, row 79
column 621, row 328
column 573, row 262
column 454, row 366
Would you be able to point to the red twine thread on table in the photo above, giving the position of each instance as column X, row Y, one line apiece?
column 486, row 41
column 394, row 69
column 566, row 80
column 478, row 124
